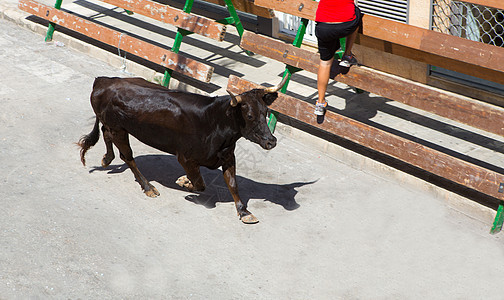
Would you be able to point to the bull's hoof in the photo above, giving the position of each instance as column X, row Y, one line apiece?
column 106, row 161
column 152, row 192
column 249, row 219
column 184, row 182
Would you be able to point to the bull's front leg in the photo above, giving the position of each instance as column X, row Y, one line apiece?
column 229, row 172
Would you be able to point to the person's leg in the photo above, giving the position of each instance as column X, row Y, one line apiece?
column 352, row 27
column 327, row 45
column 348, row 59
column 349, row 43
column 323, row 79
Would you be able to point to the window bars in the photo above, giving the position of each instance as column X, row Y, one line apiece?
column 396, row 10
column 471, row 21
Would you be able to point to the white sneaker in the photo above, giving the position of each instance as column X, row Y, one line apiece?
column 320, row 108
column 347, row 61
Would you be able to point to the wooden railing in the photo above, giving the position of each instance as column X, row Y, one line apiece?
column 470, row 57
column 442, row 50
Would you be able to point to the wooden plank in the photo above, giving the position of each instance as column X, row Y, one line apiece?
column 432, row 42
column 435, row 46
column 158, row 55
column 429, row 58
column 489, row 3
column 247, row 6
column 438, row 163
column 281, row 51
column 443, row 103
column 307, row 8
column 300, row 8
column 164, row 13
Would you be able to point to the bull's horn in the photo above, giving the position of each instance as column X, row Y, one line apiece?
column 278, row 87
column 234, row 99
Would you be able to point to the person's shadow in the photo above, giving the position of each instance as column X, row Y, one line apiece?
column 165, row 169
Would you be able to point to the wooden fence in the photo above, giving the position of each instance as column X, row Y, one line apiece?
column 442, row 50
column 454, row 53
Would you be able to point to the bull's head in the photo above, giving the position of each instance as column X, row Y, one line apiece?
column 253, row 105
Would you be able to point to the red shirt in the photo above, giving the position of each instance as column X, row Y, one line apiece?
column 335, row 11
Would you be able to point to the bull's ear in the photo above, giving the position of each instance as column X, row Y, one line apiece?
column 268, row 98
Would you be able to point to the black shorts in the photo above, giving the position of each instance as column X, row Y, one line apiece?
column 329, row 34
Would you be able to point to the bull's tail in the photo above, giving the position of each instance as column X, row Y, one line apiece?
column 89, row 140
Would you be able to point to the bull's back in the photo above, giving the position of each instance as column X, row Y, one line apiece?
column 111, row 90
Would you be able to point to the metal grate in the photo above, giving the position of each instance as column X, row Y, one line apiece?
column 474, row 22
column 396, row 10
column 470, row 21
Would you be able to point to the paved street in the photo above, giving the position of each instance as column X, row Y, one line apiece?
column 333, row 224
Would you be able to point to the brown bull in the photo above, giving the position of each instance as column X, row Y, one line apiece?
column 199, row 130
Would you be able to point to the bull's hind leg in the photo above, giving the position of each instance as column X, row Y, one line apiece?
column 193, row 180
column 121, row 141
column 109, row 156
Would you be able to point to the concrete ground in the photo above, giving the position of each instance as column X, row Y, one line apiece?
column 333, row 224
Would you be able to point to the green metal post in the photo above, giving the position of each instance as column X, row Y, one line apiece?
column 50, row 28
column 499, row 219
column 176, row 44
column 227, row 21
column 298, row 40
column 339, row 54
column 236, row 21
column 289, row 70
column 234, row 15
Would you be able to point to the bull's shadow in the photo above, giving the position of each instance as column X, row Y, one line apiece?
column 164, row 169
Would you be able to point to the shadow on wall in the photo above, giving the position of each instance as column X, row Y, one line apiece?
column 165, row 169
